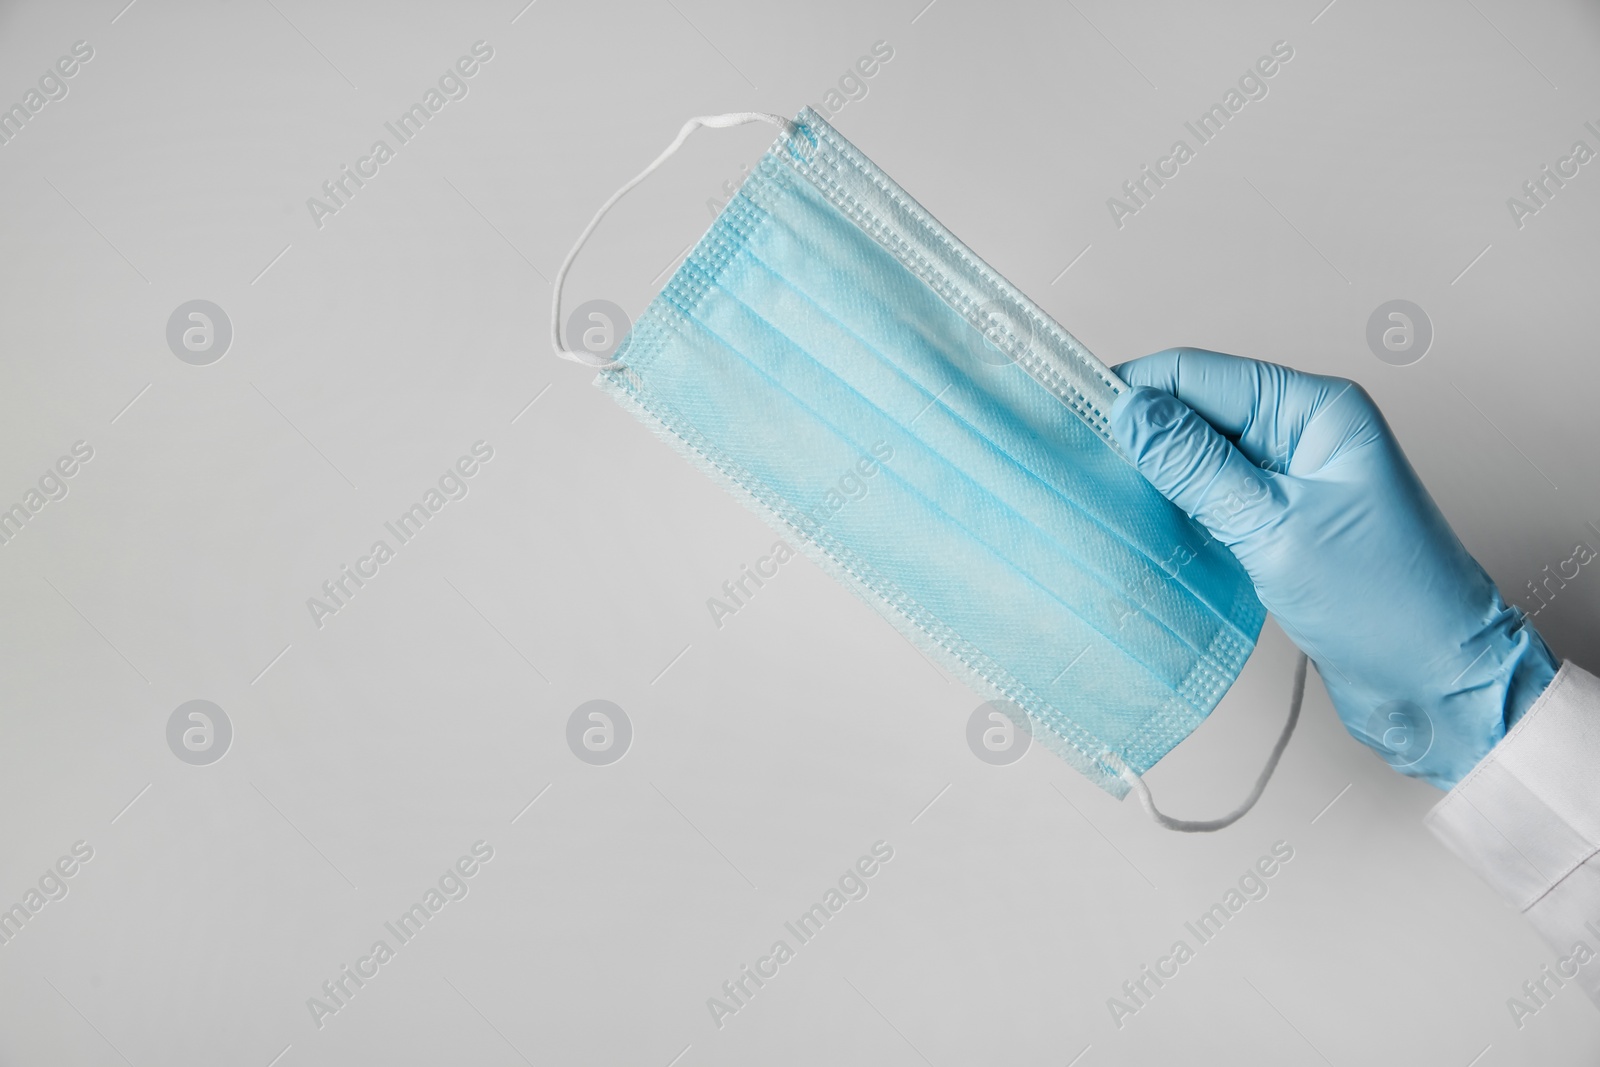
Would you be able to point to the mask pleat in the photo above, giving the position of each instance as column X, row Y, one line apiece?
column 810, row 473
column 1001, row 401
column 799, row 358
column 1015, row 443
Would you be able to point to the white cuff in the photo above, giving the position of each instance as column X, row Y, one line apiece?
column 1527, row 819
column 1528, row 815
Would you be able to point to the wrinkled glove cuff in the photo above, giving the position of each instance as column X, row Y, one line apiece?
column 1533, row 675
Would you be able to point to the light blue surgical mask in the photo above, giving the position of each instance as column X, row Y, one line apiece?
column 827, row 326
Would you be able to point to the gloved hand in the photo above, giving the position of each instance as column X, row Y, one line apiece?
column 1301, row 477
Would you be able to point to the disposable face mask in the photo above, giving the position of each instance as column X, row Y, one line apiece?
column 931, row 438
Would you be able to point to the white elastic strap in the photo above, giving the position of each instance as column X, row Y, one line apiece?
column 736, row 118
column 1207, row 825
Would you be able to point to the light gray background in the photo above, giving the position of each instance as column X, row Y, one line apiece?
column 371, row 353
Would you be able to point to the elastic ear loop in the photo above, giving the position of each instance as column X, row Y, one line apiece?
column 1202, row 826
column 740, row 118
column 736, row 118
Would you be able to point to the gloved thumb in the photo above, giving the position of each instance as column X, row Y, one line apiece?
column 1192, row 465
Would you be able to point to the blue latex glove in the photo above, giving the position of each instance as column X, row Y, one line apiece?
column 1301, row 477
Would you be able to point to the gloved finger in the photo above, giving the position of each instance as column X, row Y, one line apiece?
column 1192, row 465
column 1227, row 391
column 1262, row 406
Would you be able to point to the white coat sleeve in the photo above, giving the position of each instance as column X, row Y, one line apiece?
column 1527, row 818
